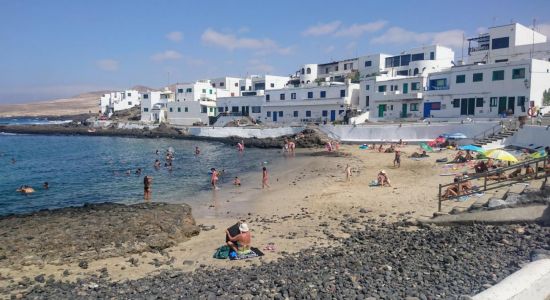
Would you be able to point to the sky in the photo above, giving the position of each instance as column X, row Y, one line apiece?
column 57, row 48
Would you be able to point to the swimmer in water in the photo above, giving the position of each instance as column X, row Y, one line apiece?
column 46, row 185
column 214, row 179
column 157, row 164
column 138, row 171
column 197, row 150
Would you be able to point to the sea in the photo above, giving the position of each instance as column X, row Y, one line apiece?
column 31, row 121
column 84, row 169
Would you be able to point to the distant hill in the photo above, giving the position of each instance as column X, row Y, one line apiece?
column 80, row 104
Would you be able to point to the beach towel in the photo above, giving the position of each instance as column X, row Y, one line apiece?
column 222, row 252
column 252, row 253
column 374, row 183
column 426, row 147
column 440, row 160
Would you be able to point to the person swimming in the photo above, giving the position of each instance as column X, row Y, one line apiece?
column 138, row 171
column 25, row 189
column 46, row 185
column 157, row 164
column 197, row 150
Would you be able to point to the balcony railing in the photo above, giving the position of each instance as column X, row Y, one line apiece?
column 438, row 87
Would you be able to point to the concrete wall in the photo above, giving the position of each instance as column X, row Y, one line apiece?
column 530, row 137
column 244, row 132
column 411, row 133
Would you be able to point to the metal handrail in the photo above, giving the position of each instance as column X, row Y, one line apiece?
column 499, row 183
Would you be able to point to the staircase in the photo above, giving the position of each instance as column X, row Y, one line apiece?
column 497, row 136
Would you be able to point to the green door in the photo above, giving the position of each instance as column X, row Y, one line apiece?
column 501, row 105
column 405, row 88
column 471, row 106
column 404, row 109
column 381, row 110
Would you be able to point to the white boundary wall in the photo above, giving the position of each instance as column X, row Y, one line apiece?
column 223, row 132
column 406, row 132
column 530, row 137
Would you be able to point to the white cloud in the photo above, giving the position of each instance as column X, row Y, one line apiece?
column 175, row 36
column 544, row 29
column 232, row 42
column 166, row 55
column 357, row 30
column 258, row 66
column 398, row 35
column 110, row 65
column 322, row 29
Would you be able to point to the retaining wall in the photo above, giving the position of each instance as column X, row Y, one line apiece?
column 223, row 132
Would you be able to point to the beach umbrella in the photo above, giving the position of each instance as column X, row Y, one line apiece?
column 426, row 147
column 538, row 154
column 457, row 136
column 471, row 148
column 501, row 155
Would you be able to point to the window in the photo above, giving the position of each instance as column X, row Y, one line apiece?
column 326, row 70
column 129, row 94
column 391, row 88
column 521, row 103
column 213, row 85
column 256, row 109
column 129, row 102
column 336, row 68
column 368, row 63
column 323, row 94
column 308, row 71
column 415, row 86
column 432, row 56
column 171, row 109
column 310, row 95
column 189, row 90
column 145, row 96
column 293, row 96
column 234, row 109
column 308, row 113
column 477, row 77
column 187, row 109
column 267, row 98
column 498, row 75
column 280, row 114
column 518, row 73
column 501, row 60
column 417, row 56
column 179, row 109
column 367, row 87
column 460, row 78
column 303, row 71
column 210, row 91
column 282, row 96
column 243, row 88
column 204, row 109
column 180, row 91
column 367, row 101
column 414, row 106
column 345, row 66
column 438, row 84
column 403, row 72
column 325, row 113
column 500, row 43
column 269, row 114
column 236, row 84
column 456, row 103
column 405, row 59
column 145, row 109
column 479, row 102
column 212, row 109
column 381, row 88
column 493, row 102
column 222, row 84
column 391, row 107
column 295, row 114
column 204, row 91
column 272, row 85
column 415, row 71
column 342, row 93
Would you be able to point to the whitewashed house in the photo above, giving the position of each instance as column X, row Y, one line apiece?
column 392, row 87
column 154, row 106
column 194, row 103
column 116, row 101
column 325, row 102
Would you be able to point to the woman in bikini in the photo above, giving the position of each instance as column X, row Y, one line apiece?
column 265, row 178
column 214, row 179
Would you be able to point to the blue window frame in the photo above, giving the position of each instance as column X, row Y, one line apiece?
column 323, row 94
column 500, row 43
column 310, row 95
column 308, row 113
column 269, row 114
column 280, row 114
column 325, row 113
column 342, row 93
column 266, row 97
column 295, row 113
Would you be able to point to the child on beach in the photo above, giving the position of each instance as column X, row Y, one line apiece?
column 147, row 187
column 348, row 173
column 397, row 159
column 237, row 181
column 265, row 178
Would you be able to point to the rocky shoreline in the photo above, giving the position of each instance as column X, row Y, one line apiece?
column 93, row 231
column 382, row 261
column 310, row 138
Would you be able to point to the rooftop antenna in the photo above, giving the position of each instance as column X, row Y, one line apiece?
column 462, row 49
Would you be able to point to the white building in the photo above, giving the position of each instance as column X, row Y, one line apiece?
column 116, row 101
column 326, row 102
column 154, row 106
column 392, row 87
column 326, row 72
column 487, row 90
column 227, row 86
column 194, row 103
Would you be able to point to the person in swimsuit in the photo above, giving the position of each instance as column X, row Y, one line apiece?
column 214, row 178
column 265, row 178
column 46, row 185
column 397, row 159
column 241, row 242
column 348, row 173
column 383, row 179
column 147, row 187
column 157, row 164
column 197, row 150
column 237, row 181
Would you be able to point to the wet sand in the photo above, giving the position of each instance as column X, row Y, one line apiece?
column 308, row 198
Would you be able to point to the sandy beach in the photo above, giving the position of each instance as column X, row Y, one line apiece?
column 309, row 195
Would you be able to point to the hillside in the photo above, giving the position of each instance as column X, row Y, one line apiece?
column 79, row 104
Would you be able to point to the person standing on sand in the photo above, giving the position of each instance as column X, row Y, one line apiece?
column 397, row 159
column 265, row 178
column 147, row 187
column 348, row 173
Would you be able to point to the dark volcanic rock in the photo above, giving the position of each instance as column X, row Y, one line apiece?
column 93, row 231
column 381, row 262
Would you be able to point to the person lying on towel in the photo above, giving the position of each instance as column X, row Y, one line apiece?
column 241, row 241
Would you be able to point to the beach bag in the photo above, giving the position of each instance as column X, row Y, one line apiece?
column 222, row 252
